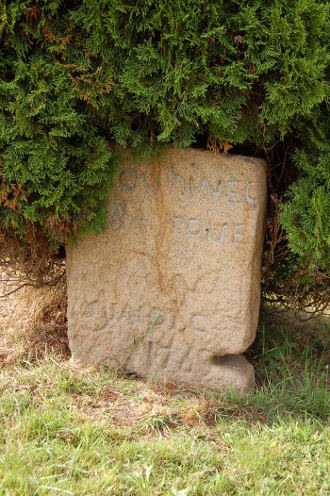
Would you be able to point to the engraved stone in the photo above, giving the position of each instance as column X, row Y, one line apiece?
column 171, row 289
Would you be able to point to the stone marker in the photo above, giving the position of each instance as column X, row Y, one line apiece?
column 171, row 290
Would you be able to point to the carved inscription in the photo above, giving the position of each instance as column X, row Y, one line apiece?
column 143, row 317
column 232, row 192
column 193, row 228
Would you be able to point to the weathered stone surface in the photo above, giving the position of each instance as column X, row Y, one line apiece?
column 171, row 290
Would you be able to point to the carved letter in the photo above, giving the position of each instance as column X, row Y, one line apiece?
column 164, row 353
column 251, row 201
column 173, row 177
column 128, row 314
column 176, row 221
column 115, row 218
column 198, row 331
column 194, row 232
column 191, row 186
column 222, row 234
column 130, row 183
column 149, row 189
column 238, row 236
column 174, row 323
column 156, row 316
column 206, row 187
column 233, row 196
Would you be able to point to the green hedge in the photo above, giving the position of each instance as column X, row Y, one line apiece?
column 77, row 75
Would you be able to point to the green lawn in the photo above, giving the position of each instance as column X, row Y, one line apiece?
column 92, row 432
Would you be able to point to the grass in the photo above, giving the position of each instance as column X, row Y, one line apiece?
column 65, row 431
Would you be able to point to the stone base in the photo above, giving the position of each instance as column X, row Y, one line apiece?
column 231, row 371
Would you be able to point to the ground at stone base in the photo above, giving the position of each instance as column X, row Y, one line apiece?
column 92, row 432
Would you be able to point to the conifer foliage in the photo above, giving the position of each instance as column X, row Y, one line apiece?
column 77, row 76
